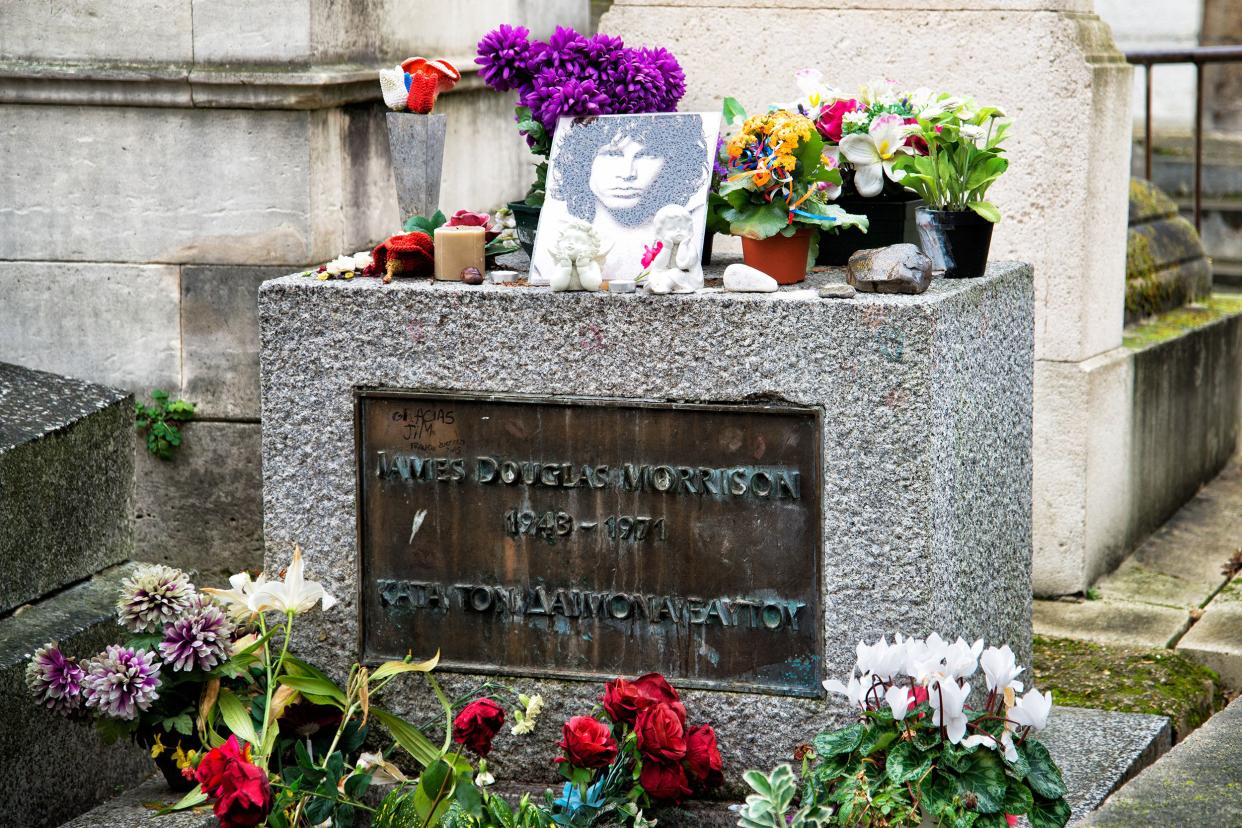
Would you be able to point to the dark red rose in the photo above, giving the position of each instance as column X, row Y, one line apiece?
column 829, row 121
column 216, row 762
column 655, row 688
column 587, row 743
column 245, row 799
column 477, row 724
column 622, row 701
column 661, row 736
column 665, row 782
column 706, row 768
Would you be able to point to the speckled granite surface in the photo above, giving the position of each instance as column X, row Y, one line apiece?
column 66, row 481
column 926, row 484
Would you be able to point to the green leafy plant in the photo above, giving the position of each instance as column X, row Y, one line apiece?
column 772, row 804
column 157, row 420
column 964, row 155
column 423, row 224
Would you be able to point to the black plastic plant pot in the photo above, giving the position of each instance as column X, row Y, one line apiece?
column 526, row 222
column 707, row 247
column 957, row 242
column 891, row 221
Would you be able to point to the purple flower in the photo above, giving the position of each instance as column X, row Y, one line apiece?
column 674, row 77
column 567, row 97
column 565, row 53
column 55, row 679
column 639, row 85
column 121, row 681
column 153, row 596
column 503, row 54
column 604, row 55
column 199, row 640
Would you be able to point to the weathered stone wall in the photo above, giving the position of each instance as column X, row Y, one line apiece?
column 157, row 154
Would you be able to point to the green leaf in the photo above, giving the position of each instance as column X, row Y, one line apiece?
column 984, row 777
column 756, row 221
column 1044, row 776
column 877, row 738
column 190, row 800
column 938, row 792
column 468, row 798
column 1017, row 799
column 1048, row 813
column 986, row 210
column 236, row 716
column 906, row 763
column 410, row 738
column 732, row 111
column 434, row 793
column 845, row 740
column 321, row 688
column 392, row 668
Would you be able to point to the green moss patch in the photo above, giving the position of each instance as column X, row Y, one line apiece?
column 1164, row 682
column 1180, row 321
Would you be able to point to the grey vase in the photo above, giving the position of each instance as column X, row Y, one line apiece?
column 416, row 143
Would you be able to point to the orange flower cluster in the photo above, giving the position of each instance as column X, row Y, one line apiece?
column 766, row 144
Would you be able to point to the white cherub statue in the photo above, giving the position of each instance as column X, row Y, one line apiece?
column 578, row 254
column 677, row 267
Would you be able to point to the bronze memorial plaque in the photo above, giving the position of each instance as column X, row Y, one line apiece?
column 583, row 538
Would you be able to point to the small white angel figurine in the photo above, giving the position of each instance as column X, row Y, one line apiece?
column 578, row 255
column 677, row 267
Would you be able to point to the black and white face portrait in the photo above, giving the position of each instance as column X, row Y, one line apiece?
column 616, row 172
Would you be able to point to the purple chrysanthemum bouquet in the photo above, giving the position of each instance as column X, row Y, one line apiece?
column 575, row 75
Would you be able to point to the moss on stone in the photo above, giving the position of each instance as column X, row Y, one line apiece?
column 1174, row 323
column 1163, row 682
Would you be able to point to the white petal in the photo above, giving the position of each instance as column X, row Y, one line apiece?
column 859, row 149
column 868, row 178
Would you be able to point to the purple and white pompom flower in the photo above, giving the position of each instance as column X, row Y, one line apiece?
column 55, row 679
column 154, row 596
column 121, row 681
column 198, row 640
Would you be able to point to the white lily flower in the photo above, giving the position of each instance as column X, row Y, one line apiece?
column 900, row 700
column 383, row 772
column 237, row 600
column 1032, row 710
column 872, row 153
column 855, row 691
column 293, row 594
column 948, row 708
column 962, row 659
column 1000, row 669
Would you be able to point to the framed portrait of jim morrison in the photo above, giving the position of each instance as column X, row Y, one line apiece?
column 616, row 172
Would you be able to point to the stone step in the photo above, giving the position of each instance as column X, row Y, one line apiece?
column 53, row 768
column 137, row 808
column 1194, row 784
column 66, row 481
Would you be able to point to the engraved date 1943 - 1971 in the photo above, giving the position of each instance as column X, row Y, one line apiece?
column 552, row 524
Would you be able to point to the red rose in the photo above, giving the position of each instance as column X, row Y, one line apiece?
column 703, row 757
column 465, row 218
column 830, row 120
column 245, row 799
column 655, row 688
column 623, row 700
column 587, row 743
column 216, row 762
column 477, row 724
column 661, row 736
column 664, row 781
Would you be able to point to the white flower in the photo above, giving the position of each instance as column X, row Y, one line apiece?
column 988, row 741
column 883, row 92
column 484, row 778
column 856, row 118
column 872, row 153
column 1000, row 669
column 238, row 599
column 962, row 659
column 341, row 264
column 526, row 718
column 899, row 701
column 948, row 710
column 815, row 93
column 927, row 104
column 293, row 594
column 881, row 659
column 362, row 260
column 974, row 134
column 1032, row 710
column 383, row 772
column 855, row 691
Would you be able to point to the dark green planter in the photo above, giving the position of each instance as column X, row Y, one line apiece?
column 891, row 222
column 526, row 221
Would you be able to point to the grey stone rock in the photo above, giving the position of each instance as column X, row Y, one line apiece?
column 53, row 768
column 132, row 810
column 1194, row 784
column 742, row 278
column 203, row 510
column 930, row 396
column 416, row 143
column 898, row 268
column 66, row 481
column 837, row 291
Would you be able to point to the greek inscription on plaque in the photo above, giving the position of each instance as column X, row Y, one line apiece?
column 581, row 539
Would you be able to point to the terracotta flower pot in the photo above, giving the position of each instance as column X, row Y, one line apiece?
column 781, row 257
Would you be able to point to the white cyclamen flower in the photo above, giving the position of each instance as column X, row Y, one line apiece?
column 962, row 659
column 1032, row 710
column 948, row 703
column 855, row 691
column 900, row 700
column 881, row 659
column 986, row 739
column 1000, row 669
column 293, row 594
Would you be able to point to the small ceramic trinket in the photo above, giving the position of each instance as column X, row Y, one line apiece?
column 416, row 83
column 578, row 255
column 677, row 266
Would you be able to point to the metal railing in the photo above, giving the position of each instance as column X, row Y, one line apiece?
column 1199, row 56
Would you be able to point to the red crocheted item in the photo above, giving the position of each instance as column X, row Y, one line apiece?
column 428, row 78
column 407, row 254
